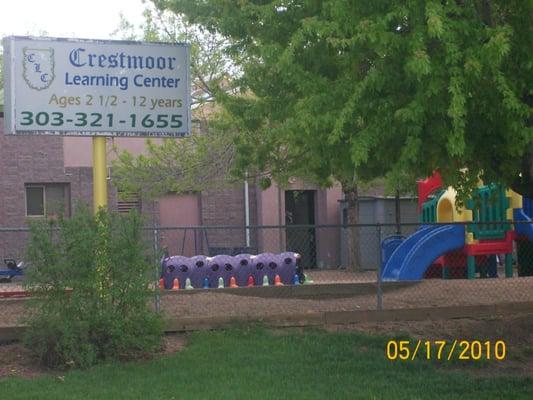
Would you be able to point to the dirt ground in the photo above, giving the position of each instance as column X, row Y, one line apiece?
column 16, row 360
column 427, row 293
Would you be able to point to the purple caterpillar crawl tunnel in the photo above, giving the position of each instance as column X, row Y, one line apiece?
column 201, row 269
column 198, row 271
column 243, row 268
column 260, row 267
column 289, row 267
column 172, row 268
column 221, row 266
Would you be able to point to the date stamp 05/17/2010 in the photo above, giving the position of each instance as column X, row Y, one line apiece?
column 446, row 350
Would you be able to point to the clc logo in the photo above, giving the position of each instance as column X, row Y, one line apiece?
column 38, row 66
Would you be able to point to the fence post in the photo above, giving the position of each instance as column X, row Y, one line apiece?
column 195, row 234
column 157, row 267
column 204, row 237
column 379, row 293
column 280, row 238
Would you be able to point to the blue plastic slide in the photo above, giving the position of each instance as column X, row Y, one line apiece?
column 391, row 270
column 414, row 256
column 526, row 227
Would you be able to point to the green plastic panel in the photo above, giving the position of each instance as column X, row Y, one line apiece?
column 489, row 205
column 429, row 208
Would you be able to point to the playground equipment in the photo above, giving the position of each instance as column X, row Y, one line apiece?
column 221, row 267
column 460, row 241
column 13, row 269
column 243, row 269
column 179, row 272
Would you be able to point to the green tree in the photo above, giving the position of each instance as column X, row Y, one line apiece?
column 204, row 159
column 356, row 90
column 179, row 165
column 211, row 68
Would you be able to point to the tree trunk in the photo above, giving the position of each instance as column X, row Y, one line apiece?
column 524, row 183
column 397, row 212
column 352, row 203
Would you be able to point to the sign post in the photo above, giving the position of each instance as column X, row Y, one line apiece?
column 99, row 173
column 79, row 87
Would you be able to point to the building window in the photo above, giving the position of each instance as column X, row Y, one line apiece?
column 47, row 200
column 128, row 201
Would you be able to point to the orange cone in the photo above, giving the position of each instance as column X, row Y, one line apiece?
column 232, row 282
column 162, row 284
column 176, row 284
column 250, row 281
column 277, row 281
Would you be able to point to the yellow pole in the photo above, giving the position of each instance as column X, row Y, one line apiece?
column 99, row 173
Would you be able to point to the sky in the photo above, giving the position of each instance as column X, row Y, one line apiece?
column 85, row 19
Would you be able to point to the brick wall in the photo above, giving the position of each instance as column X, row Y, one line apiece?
column 40, row 159
column 24, row 159
column 225, row 206
column 35, row 159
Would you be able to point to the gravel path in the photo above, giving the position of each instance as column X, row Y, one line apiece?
column 427, row 293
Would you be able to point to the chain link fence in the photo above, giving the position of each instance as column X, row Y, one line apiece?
column 347, row 268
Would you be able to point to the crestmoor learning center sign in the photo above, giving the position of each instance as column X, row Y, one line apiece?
column 96, row 88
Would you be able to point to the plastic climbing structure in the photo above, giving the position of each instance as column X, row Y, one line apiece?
column 462, row 241
column 243, row 270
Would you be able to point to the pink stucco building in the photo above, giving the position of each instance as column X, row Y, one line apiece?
column 43, row 175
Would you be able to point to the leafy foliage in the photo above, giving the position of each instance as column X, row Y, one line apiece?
column 205, row 159
column 189, row 164
column 91, row 281
column 211, row 68
column 382, row 88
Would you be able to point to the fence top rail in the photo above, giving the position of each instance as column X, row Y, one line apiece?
column 316, row 226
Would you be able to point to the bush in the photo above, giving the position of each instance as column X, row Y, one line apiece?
column 91, row 283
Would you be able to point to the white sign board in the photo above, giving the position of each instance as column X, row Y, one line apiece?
column 96, row 88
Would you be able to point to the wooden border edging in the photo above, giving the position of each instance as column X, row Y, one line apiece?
column 426, row 313
column 350, row 317
column 313, row 319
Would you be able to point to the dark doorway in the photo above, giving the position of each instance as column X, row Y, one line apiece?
column 300, row 210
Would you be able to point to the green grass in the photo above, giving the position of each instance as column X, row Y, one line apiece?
column 259, row 364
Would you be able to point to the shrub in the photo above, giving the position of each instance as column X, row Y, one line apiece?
column 91, row 284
